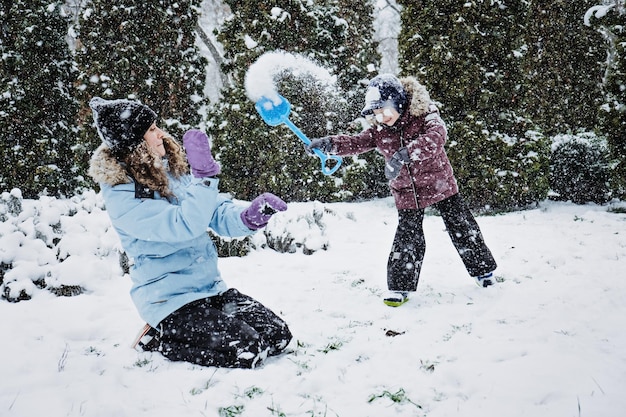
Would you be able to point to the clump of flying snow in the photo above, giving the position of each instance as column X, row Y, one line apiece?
column 262, row 74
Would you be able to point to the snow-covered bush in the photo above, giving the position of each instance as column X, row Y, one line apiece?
column 60, row 246
column 68, row 246
column 301, row 228
column 230, row 246
column 298, row 228
column 579, row 168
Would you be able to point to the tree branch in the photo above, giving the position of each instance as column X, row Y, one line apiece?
column 214, row 52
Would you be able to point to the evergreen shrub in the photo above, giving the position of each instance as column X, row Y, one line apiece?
column 497, row 171
column 579, row 168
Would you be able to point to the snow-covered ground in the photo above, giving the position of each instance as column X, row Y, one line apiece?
column 549, row 340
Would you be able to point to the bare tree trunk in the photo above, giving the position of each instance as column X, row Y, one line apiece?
column 214, row 52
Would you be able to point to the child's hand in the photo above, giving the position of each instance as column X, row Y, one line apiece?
column 395, row 163
column 323, row 144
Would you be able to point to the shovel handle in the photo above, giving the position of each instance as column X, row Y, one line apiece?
column 323, row 157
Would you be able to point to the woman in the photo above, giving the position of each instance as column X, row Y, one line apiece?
column 161, row 213
column 408, row 131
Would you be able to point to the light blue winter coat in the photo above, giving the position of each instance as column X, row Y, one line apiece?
column 175, row 261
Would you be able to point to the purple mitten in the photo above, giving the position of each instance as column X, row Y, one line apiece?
column 196, row 144
column 261, row 209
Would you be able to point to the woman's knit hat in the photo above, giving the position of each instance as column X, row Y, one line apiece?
column 121, row 123
column 384, row 90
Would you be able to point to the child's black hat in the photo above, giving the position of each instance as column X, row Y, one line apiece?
column 384, row 90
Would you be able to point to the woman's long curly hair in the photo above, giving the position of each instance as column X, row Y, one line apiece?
column 148, row 169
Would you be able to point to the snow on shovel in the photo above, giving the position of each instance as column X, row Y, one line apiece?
column 275, row 112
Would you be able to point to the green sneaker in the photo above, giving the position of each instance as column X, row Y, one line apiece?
column 396, row 298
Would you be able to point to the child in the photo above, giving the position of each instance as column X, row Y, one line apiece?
column 408, row 131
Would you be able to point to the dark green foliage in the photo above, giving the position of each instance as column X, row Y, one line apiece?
column 466, row 53
column 579, row 168
column 21, row 296
column 613, row 112
column 256, row 157
column 563, row 66
column 124, row 262
column 356, row 51
column 230, row 247
column 67, row 290
column 554, row 66
column 497, row 171
column 4, row 268
column 145, row 51
column 37, row 109
column 364, row 177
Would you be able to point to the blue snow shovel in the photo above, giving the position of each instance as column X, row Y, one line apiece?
column 274, row 114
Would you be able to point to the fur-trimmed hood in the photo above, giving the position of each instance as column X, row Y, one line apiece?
column 141, row 165
column 419, row 96
column 105, row 168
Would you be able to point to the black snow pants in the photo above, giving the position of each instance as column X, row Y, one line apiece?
column 409, row 245
column 230, row 330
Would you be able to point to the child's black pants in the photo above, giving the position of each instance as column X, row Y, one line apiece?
column 409, row 245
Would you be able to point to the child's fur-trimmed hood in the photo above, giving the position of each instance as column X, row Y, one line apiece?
column 420, row 98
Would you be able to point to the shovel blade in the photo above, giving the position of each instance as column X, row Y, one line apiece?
column 273, row 111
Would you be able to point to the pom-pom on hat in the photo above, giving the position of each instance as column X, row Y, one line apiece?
column 121, row 123
column 384, row 90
